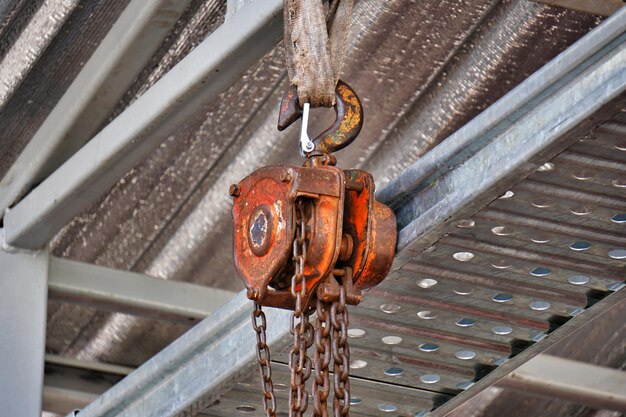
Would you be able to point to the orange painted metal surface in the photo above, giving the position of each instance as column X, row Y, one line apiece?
column 264, row 219
column 351, row 237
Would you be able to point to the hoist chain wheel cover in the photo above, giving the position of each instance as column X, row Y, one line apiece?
column 372, row 226
column 264, row 228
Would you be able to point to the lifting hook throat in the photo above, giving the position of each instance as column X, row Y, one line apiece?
column 345, row 129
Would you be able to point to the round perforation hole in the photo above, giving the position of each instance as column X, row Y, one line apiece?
column 502, row 231
column 540, row 239
column 502, row 298
column 540, row 271
column 465, row 385
column 619, row 218
column 426, row 282
column 463, row 256
column 466, row 224
column 358, row 364
column 465, row 355
column 541, row 203
column 280, row 387
column 387, row 407
column 617, row 254
column 502, row 330
column 356, row 333
column 619, row 183
column 390, row 308
column 501, row 264
column 463, row 290
column 465, row 322
column 548, row 166
column 428, row 347
column 539, row 305
column 581, row 211
column 580, row 246
column 430, row 378
column 392, row 340
column 426, row 315
column 508, row 194
column 394, row 371
column 355, row 401
column 621, row 145
column 578, row 279
column 246, row 409
column 583, row 175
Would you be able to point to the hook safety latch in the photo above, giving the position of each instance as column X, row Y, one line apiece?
column 345, row 129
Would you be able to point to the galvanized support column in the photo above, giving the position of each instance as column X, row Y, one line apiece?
column 23, row 302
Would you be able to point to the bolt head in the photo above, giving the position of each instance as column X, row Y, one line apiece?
column 234, row 190
column 285, row 176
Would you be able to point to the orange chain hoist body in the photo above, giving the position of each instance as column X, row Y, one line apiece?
column 346, row 227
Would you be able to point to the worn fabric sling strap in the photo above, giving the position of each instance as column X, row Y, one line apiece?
column 315, row 39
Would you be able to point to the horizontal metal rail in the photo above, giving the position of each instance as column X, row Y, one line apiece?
column 507, row 111
column 574, row 381
column 129, row 292
column 97, row 89
column 558, row 116
column 600, row 322
column 208, row 70
column 191, row 372
column 200, row 365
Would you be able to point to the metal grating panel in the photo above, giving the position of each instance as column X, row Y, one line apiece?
column 495, row 284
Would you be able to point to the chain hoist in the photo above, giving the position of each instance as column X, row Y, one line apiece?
column 309, row 239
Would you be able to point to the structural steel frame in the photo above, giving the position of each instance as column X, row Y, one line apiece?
column 504, row 144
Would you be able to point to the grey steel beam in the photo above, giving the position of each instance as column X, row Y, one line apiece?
column 507, row 142
column 574, row 381
column 208, row 70
column 68, row 387
column 88, row 365
column 23, row 293
column 601, row 7
column 129, row 292
column 602, row 321
column 504, row 113
column 97, row 89
column 195, row 369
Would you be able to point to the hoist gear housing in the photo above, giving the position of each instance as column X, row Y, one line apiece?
column 345, row 227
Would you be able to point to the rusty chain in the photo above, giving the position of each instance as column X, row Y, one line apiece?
column 301, row 329
column 321, row 360
column 341, row 353
column 330, row 337
column 263, row 358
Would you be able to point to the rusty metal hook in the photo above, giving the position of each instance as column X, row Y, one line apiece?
column 345, row 129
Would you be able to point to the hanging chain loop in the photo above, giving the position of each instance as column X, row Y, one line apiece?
column 301, row 328
column 321, row 359
column 341, row 353
column 263, row 358
column 330, row 336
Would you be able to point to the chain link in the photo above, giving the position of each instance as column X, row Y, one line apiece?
column 301, row 329
column 341, row 354
column 330, row 336
column 263, row 358
column 321, row 360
